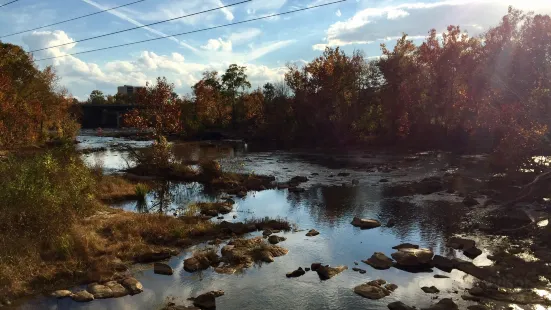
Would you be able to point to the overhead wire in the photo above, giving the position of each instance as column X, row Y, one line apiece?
column 2, row 5
column 194, row 31
column 142, row 26
column 72, row 19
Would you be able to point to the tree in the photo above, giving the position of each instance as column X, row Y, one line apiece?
column 211, row 106
column 234, row 84
column 97, row 97
column 159, row 110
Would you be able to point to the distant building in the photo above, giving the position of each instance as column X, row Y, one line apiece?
column 128, row 90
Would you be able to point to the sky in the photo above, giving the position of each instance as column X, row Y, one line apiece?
column 264, row 46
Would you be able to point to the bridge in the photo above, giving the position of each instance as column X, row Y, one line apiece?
column 102, row 115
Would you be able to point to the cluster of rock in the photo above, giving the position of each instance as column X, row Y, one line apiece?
column 111, row 289
column 375, row 289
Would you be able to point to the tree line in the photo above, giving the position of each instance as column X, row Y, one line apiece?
column 492, row 91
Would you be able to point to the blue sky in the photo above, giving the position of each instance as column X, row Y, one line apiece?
column 265, row 46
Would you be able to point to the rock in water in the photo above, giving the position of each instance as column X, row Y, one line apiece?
column 470, row 201
column 442, row 263
column 405, row 246
column 297, row 273
column 132, row 285
column 365, row 223
column 207, row 300
column 413, row 257
column 444, row 304
column 326, row 272
column 472, row 253
column 82, row 296
column 61, row 294
column 430, row 290
column 315, row 266
column 460, row 243
column 312, row 232
column 374, row 289
column 100, row 291
column 398, row 305
column 160, row 268
column 273, row 239
column 117, row 289
column 379, row 261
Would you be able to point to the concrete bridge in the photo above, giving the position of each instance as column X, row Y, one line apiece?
column 102, row 115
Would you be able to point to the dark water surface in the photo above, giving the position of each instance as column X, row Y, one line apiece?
column 328, row 205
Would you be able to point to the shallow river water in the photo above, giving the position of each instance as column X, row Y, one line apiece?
column 328, row 205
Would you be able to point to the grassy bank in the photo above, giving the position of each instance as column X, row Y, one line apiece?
column 56, row 231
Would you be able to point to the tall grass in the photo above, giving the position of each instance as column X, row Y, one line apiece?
column 41, row 195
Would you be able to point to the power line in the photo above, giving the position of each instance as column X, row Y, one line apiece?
column 138, row 27
column 72, row 19
column 194, row 31
column 1, row 5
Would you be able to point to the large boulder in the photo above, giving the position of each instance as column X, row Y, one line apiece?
column 273, row 239
column 430, row 290
column 365, row 223
column 297, row 273
column 312, row 232
column 326, row 272
column 460, row 243
column 82, row 296
column 405, row 246
column 132, row 285
column 413, row 257
column 207, row 300
column 379, row 261
column 100, row 291
column 160, row 268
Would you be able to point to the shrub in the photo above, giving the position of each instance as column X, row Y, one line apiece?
column 141, row 191
column 210, row 169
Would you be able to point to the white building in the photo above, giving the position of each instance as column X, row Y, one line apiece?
column 128, row 90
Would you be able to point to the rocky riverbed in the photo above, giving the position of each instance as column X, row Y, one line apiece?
column 427, row 230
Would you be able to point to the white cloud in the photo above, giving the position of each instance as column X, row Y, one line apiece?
column 338, row 13
column 415, row 18
column 244, row 36
column 395, row 14
column 134, row 22
column 264, row 6
column 82, row 77
column 218, row 45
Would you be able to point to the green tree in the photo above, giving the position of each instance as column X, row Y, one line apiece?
column 97, row 97
column 234, row 84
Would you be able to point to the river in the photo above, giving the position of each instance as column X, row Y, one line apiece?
column 328, row 205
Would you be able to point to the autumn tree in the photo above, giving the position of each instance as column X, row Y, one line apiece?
column 159, row 109
column 211, row 107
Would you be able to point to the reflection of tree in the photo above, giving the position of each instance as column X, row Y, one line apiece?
column 434, row 221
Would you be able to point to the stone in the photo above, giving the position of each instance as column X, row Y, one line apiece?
column 132, row 285
column 267, row 232
column 315, row 266
column 307, row 269
column 405, row 246
column 365, row 223
column 207, row 300
column 160, row 268
column 440, row 276
column 430, row 290
column 469, row 201
column 299, row 179
column 360, row 270
column 442, row 263
column 273, row 239
column 398, row 305
column 312, row 232
column 154, row 256
column 326, row 272
column 460, row 243
column 61, row 294
column 82, row 296
column 379, row 261
column 100, row 291
column 372, row 290
column 443, row 304
column 117, row 289
column 297, row 273
column 193, row 263
column 391, row 287
column 472, row 253
column 413, row 257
